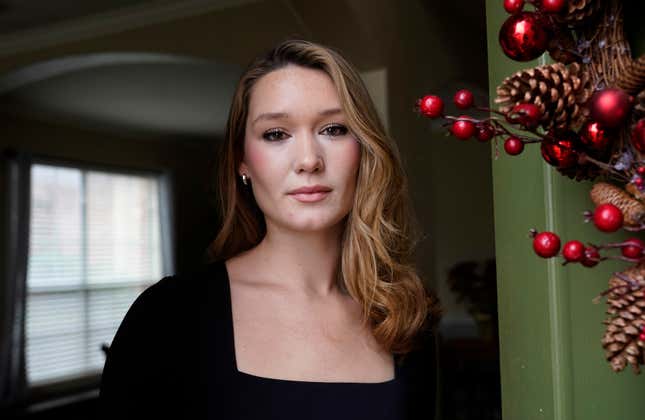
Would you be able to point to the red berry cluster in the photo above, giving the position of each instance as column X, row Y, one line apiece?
column 464, row 127
column 559, row 147
column 607, row 218
column 547, row 245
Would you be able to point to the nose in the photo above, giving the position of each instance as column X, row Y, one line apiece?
column 309, row 156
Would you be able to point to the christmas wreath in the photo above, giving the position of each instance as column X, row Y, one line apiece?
column 586, row 110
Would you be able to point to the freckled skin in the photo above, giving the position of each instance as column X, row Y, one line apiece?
column 304, row 149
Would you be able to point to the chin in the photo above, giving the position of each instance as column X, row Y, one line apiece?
column 309, row 227
column 313, row 223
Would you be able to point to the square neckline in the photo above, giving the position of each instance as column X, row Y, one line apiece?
column 231, row 344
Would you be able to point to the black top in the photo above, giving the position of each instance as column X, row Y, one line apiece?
column 174, row 356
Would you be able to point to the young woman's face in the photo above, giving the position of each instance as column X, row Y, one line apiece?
column 297, row 136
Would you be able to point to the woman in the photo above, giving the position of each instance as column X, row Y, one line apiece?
column 310, row 307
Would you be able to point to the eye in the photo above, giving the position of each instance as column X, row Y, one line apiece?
column 335, row 130
column 274, row 135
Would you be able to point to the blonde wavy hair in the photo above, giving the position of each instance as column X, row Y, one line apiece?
column 378, row 239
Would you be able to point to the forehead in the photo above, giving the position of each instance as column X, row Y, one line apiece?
column 293, row 88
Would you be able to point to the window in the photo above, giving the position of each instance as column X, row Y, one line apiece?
column 95, row 243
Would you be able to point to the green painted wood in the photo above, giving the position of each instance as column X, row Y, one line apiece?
column 552, row 363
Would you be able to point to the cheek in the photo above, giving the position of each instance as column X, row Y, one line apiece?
column 260, row 161
column 350, row 158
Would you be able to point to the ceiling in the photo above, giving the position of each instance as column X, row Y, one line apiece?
column 184, row 91
column 138, row 93
column 20, row 15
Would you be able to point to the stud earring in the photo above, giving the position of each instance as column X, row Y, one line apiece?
column 245, row 179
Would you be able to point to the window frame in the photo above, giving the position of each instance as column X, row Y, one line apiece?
column 81, row 384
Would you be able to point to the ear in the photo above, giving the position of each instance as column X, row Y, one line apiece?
column 243, row 169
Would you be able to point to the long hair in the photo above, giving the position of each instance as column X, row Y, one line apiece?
column 376, row 266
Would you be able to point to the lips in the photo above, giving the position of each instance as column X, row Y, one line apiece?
column 311, row 190
column 310, row 194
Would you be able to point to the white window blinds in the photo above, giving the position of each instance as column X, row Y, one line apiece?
column 94, row 245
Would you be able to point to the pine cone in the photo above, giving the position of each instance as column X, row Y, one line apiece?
column 626, row 301
column 632, row 209
column 559, row 90
column 632, row 78
column 579, row 12
column 633, row 190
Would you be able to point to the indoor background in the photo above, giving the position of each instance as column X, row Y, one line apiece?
column 142, row 88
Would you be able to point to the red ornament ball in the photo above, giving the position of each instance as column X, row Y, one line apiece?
column 638, row 136
column 513, row 146
column 593, row 136
column 513, row 6
column 484, row 132
column 546, row 244
column 591, row 258
column 527, row 115
column 573, row 251
column 553, row 6
column 523, row 36
column 463, row 128
column 634, row 249
column 608, row 218
column 431, row 106
column 561, row 152
column 464, row 99
column 610, row 107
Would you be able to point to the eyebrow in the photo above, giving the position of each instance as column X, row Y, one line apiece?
column 279, row 115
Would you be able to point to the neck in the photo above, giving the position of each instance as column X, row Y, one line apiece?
column 302, row 262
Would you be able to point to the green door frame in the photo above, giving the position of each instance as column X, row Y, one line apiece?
column 552, row 362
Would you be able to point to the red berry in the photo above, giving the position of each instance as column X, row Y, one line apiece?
column 463, row 128
column 484, row 132
column 591, row 257
column 573, row 251
column 638, row 181
column 513, row 6
column 513, row 146
column 641, row 169
column 608, row 218
column 527, row 115
column 431, row 106
column 524, row 36
column 464, row 99
column 641, row 337
column 561, row 149
column 593, row 136
column 610, row 107
column 546, row 244
column 553, row 6
column 635, row 249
